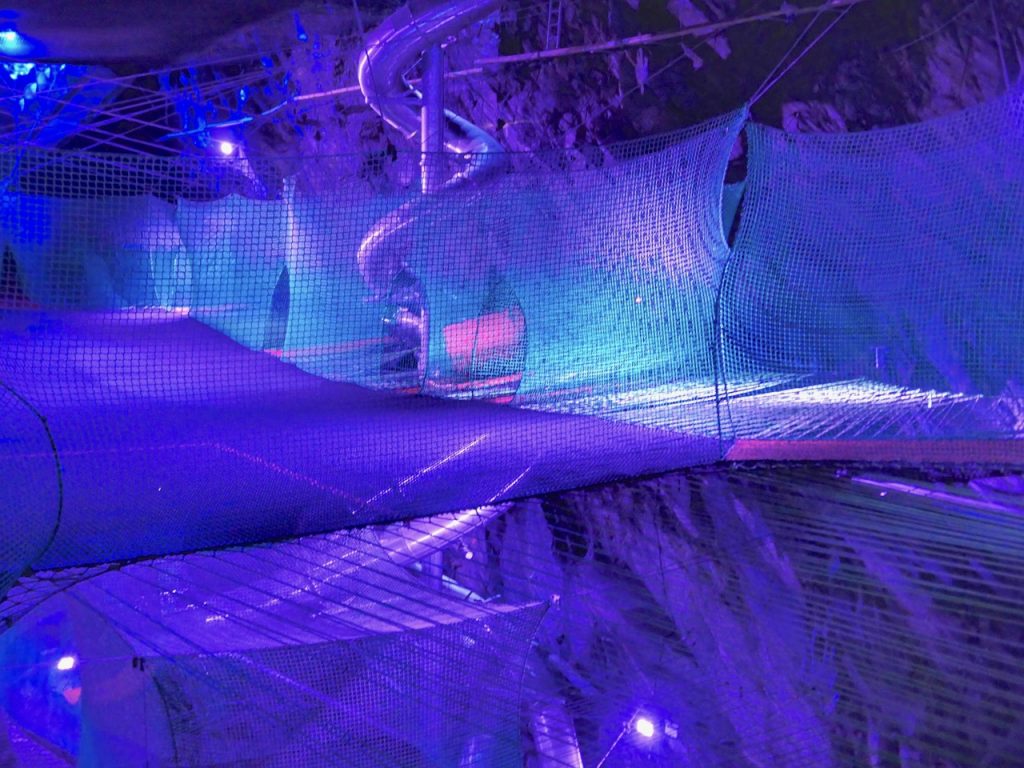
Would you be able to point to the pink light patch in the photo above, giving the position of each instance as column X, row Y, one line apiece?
column 483, row 338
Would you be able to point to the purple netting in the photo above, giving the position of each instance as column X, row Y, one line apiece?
column 310, row 652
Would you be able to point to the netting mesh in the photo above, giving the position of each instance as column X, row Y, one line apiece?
column 203, row 353
column 785, row 616
column 312, row 652
column 230, row 351
column 883, row 270
column 32, row 487
column 779, row 615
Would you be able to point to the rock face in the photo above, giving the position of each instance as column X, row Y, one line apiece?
column 290, row 78
column 885, row 63
column 776, row 616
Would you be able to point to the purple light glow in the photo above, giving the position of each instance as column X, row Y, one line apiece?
column 226, row 148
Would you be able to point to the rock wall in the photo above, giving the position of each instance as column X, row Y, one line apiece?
column 888, row 62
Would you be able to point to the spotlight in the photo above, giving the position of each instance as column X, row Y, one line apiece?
column 66, row 663
column 13, row 44
column 639, row 724
column 226, row 148
column 644, row 727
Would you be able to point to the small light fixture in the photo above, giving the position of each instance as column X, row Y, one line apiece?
column 66, row 663
column 226, row 148
column 644, row 726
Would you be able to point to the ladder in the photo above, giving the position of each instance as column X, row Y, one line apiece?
column 554, row 32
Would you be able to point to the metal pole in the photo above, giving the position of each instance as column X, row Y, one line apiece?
column 432, row 121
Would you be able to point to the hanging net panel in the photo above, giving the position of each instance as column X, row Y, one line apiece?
column 875, row 288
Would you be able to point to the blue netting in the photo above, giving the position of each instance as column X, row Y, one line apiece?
column 289, row 347
column 237, row 250
column 32, row 485
column 782, row 615
column 89, row 253
column 334, row 324
column 884, row 269
column 202, row 389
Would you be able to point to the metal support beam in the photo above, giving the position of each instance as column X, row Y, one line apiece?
column 432, row 121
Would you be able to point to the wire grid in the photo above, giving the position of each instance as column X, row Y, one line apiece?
column 887, row 259
column 776, row 615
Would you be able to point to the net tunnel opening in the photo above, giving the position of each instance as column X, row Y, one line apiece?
column 277, row 324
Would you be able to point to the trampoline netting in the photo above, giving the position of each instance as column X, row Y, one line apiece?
column 203, row 352
column 785, row 616
column 880, row 272
column 319, row 651
column 271, row 348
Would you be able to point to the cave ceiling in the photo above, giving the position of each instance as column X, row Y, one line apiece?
column 886, row 62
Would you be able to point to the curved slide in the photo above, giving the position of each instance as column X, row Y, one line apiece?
column 390, row 51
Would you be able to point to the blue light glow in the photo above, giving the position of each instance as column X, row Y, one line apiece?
column 12, row 43
column 66, row 663
column 17, row 69
column 300, row 31
column 226, row 148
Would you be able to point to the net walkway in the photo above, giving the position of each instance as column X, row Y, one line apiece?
column 310, row 652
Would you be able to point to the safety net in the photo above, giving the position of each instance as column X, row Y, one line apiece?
column 318, row 651
column 230, row 350
column 200, row 352
column 877, row 280
column 778, row 615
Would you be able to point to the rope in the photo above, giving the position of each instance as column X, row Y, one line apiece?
column 999, row 44
column 769, row 84
column 762, row 87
